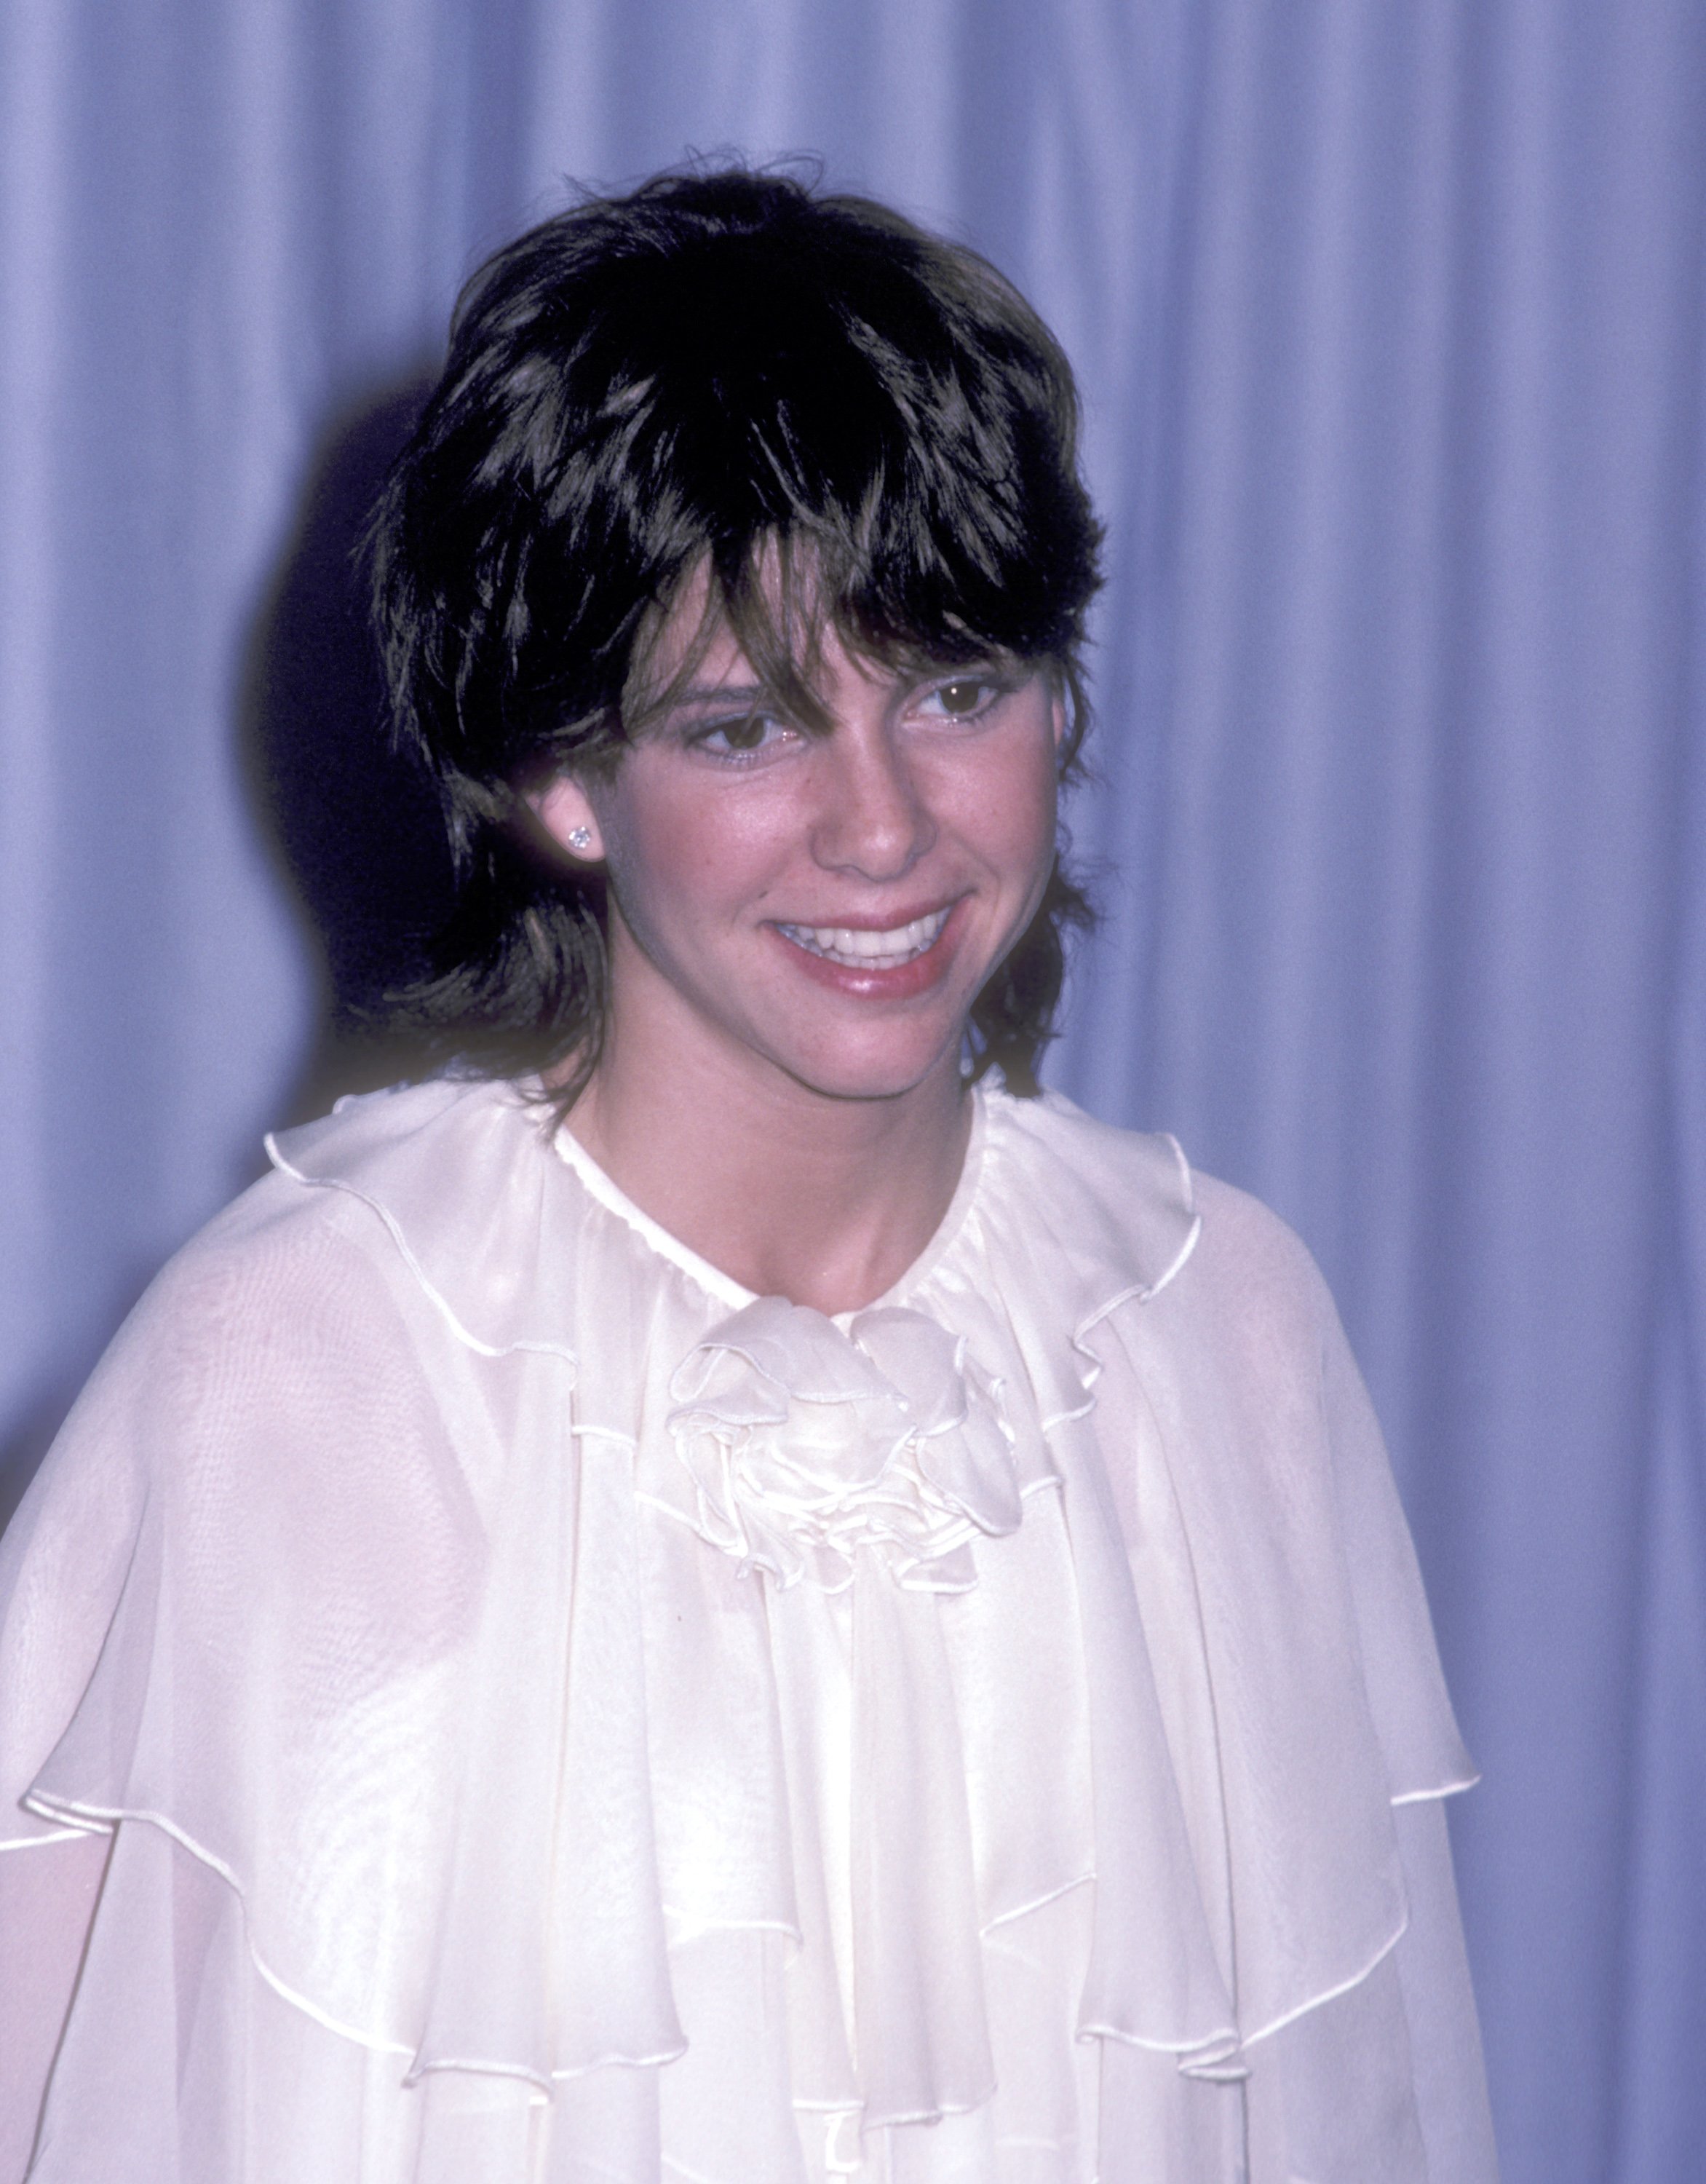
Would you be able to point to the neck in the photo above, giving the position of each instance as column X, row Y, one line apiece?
column 794, row 1193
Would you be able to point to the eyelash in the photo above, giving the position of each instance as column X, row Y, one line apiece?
column 993, row 688
column 699, row 739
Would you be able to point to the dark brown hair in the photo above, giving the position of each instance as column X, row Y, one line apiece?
column 723, row 370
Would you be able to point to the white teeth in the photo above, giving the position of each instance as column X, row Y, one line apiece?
column 865, row 951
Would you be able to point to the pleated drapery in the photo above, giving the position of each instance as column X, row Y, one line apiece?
column 1388, row 317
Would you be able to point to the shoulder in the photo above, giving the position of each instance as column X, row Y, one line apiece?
column 426, row 1205
column 362, row 1155
column 287, row 1411
column 1131, row 1200
column 282, row 1275
column 302, row 1314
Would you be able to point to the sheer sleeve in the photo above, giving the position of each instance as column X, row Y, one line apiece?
column 1385, row 2082
column 47, row 1903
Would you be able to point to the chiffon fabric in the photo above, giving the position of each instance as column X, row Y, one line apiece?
column 562, row 1717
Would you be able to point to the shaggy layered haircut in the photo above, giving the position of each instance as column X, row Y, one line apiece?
column 843, row 421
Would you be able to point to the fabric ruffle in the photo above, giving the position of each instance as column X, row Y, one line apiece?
column 808, row 1446
column 685, row 1614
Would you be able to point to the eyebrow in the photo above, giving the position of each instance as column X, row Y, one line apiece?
column 719, row 694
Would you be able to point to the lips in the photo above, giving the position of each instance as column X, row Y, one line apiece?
column 859, row 948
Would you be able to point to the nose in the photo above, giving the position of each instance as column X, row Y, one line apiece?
column 873, row 819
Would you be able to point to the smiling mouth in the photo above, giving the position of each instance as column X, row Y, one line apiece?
column 861, row 950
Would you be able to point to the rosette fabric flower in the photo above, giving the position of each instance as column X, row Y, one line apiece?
column 807, row 1446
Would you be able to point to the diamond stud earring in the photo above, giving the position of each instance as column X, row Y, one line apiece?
column 580, row 839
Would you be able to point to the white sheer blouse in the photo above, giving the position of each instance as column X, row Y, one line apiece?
column 561, row 1716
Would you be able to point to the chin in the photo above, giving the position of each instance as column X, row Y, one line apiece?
column 868, row 1076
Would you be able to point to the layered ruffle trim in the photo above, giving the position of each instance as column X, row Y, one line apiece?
column 746, row 1620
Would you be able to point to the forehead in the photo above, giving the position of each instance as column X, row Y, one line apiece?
column 685, row 632
column 703, row 659
column 777, row 635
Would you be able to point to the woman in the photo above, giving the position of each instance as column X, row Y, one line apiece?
column 710, row 1594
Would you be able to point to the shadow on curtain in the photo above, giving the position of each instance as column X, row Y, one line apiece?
column 356, row 821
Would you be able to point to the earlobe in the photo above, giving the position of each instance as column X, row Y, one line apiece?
column 564, row 811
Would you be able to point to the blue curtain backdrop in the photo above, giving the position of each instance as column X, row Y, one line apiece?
column 1388, row 314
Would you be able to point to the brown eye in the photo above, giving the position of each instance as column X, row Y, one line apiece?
column 962, row 698
column 749, row 735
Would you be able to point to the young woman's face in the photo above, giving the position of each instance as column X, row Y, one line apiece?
column 824, row 904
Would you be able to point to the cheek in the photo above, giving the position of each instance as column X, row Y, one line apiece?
column 1008, row 811
column 683, row 859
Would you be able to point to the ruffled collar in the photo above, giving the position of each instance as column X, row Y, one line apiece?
column 803, row 1440
column 494, row 1253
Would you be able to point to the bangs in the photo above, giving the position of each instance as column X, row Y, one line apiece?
column 779, row 604
column 842, row 449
